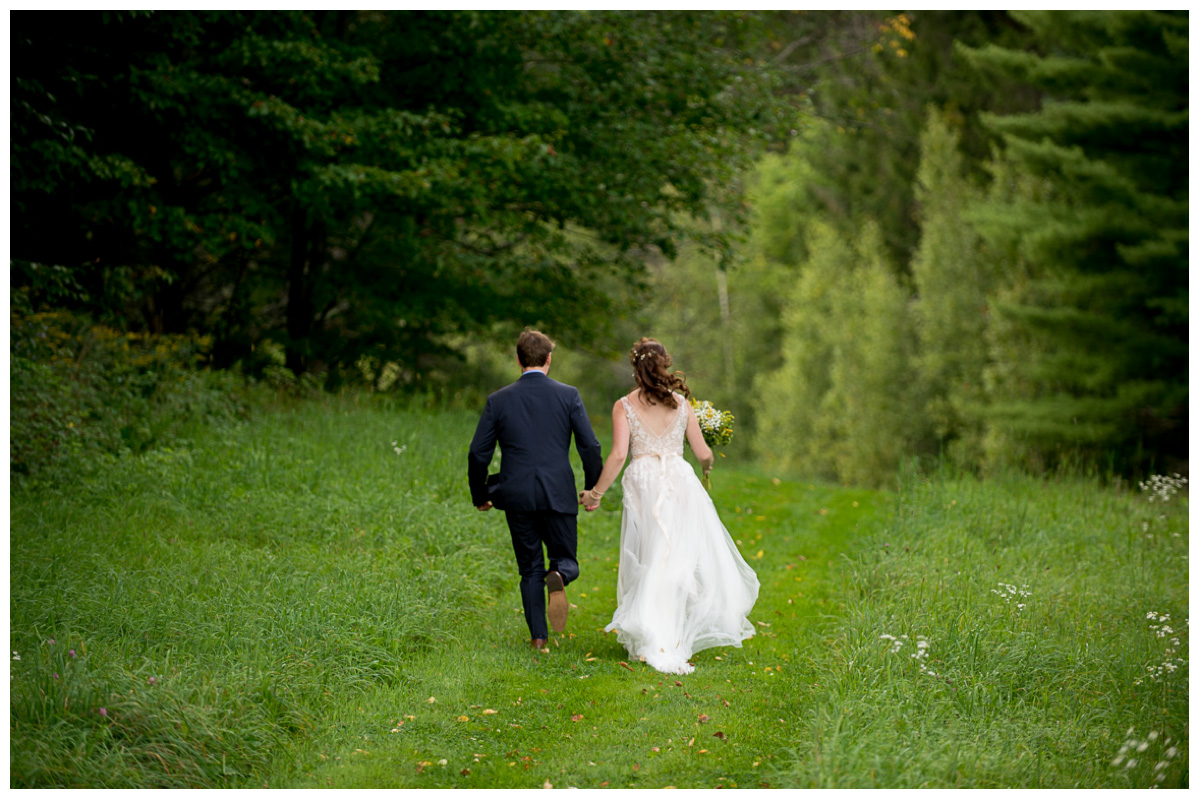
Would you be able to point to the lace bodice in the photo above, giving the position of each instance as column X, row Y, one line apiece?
column 643, row 441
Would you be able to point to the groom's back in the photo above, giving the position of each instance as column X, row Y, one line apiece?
column 533, row 414
column 533, row 420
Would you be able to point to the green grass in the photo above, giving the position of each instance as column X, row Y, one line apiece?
column 299, row 592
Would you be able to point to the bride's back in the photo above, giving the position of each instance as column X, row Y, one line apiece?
column 658, row 416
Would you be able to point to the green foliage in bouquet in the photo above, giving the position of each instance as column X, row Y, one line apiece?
column 716, row 425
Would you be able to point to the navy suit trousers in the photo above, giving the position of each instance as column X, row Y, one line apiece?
column 531, row 530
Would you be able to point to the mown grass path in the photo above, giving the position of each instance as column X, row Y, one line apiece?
column 484, row 710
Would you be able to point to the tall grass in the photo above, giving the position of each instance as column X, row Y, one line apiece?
column 997, row 634
column 181, row 616
column 297, row 600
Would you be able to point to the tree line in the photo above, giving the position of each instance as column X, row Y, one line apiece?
column 991, row 266
column 361, row 185
column 872, row 234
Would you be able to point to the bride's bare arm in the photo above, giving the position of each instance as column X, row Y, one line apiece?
column 696, row 440
column 615, row 460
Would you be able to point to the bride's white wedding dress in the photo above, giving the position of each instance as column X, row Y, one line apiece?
column 682, row 586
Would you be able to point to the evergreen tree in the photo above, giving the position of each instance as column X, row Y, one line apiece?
column 952, row 278
column 792, row 430
column 870, row 84
column 874, row 405
column 846, row 402
column 1094, row 319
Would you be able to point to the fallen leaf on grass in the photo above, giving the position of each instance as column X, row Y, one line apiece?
column 720, row 735
column 655, row 750
column 626, row 666
column 679, row 683
column 464, row 718
column 704, row 718
column 701, row 751
column 589, row 659
column 487, row 711
column 726, row 702
column 547, row 785
column 637, row 767
column 576, row 717
column 465, row 772
column 431, row 700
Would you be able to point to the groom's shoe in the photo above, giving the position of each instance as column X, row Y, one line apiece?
column 539, row 644
column 557, row 606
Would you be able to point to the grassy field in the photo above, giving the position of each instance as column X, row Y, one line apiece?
column 298, row 601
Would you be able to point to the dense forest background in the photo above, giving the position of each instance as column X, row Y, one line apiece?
column 873, row 236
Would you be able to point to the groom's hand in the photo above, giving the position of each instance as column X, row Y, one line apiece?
column 486, row 506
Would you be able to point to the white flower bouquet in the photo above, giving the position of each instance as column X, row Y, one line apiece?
column 716, row 425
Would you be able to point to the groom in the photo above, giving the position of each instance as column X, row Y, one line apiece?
column 533, row 420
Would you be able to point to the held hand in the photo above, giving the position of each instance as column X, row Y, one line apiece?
column 486, row 506
column 590, row 500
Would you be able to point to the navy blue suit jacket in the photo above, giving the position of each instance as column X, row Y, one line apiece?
column 532, row 420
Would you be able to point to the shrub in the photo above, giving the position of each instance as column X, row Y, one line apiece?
column 80, row 391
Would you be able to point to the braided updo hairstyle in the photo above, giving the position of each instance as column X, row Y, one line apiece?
column 650, row 362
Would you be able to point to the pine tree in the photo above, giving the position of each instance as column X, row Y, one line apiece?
column 1100, row 235
column 793, row 431
column 952, row 278
column 846, row 403
column 875, row 395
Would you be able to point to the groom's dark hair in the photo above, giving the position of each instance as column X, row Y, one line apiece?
column 533, row 348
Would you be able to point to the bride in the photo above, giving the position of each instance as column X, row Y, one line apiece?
column 682, row 586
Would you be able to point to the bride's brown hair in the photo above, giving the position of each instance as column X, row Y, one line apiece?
column 650, row 362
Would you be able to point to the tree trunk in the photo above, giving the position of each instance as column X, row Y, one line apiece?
column 308, row 247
